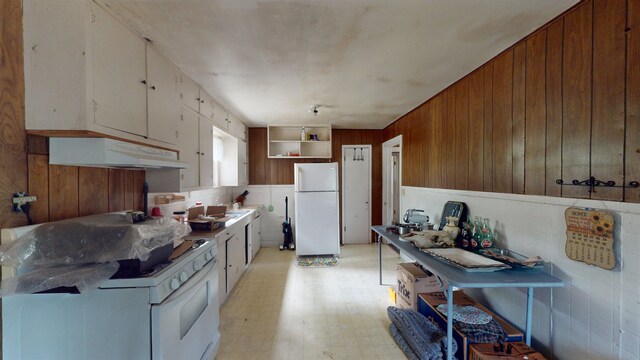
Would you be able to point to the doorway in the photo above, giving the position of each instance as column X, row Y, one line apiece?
column 356, row 194
column 391, row 180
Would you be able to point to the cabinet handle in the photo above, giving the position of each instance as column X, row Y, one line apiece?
column 202, row 153
column 153, row 87
column 198, row 152
column 143, row 81
column 177, row 134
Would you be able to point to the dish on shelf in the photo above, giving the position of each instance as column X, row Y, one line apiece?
column 512, row 258
column 467, row 260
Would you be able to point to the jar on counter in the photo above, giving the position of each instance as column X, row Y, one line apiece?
column 181, row 216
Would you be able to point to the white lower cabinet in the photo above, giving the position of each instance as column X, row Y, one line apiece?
column 255, row 234
column 237, row 245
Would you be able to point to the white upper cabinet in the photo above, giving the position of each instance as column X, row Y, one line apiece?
column 189, row 148
column 206, row 152
column 207, row 108
column 189, row 92
column 163, row 109
column 196, row 148
column 120, row 78
column 236, row 127
column 242, row 163
column 87, row 72
column 220, row 117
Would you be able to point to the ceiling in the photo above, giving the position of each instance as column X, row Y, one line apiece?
column 364, row 63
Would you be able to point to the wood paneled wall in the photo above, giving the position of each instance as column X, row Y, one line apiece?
column 70, row 191
column 265, row 171
column 562, row 103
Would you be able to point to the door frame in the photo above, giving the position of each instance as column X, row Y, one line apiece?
column 387, row 177
column 343, row 197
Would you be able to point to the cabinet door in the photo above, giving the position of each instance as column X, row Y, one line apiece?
column 189, row 149
column 242, row 162
column 119, row 75
column 235, row 261
column 206, row 153
column 220, row 117
column 207, row 108
column 188, row 92
column 256, row 225
column 237, row 128
column 222, row 270
column 162, row 107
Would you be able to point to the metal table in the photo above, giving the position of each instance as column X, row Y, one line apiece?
column 456, row 277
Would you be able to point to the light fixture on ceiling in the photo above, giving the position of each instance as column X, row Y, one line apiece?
column 314, row 110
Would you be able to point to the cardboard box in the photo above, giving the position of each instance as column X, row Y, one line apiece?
column 427, row 304
column 412, row 280
column 510, row 351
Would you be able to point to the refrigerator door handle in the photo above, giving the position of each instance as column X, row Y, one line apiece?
column 297, row 178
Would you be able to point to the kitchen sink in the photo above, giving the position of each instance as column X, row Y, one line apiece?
column 236, row 213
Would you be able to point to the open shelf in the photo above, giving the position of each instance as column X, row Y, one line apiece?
column 285, row 141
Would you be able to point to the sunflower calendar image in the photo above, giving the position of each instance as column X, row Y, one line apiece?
column 590, row 237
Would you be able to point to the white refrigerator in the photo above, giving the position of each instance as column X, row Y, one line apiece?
column 317, row 227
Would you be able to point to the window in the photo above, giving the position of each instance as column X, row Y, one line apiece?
column 218, row 158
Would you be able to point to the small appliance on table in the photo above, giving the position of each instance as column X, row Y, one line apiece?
column 317, row 230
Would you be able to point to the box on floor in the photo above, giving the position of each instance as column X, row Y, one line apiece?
column 510, row 351
column 412, row 280
column 428, row 302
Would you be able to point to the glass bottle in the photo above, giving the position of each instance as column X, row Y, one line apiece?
column 476, row 231
column 303, row 134
column 465, row 235
column 487, row 235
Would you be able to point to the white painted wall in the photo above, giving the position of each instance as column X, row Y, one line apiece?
column 271, row 220
column 597, row 314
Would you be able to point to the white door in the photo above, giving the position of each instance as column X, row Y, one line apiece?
column 356, row 194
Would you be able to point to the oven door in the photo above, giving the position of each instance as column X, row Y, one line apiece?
column 185, row 325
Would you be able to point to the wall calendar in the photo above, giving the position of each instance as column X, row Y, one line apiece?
column 590, row 237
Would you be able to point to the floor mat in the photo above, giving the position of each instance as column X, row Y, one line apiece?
column 317, row 261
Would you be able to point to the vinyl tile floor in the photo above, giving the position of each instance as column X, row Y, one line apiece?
column 279, row 310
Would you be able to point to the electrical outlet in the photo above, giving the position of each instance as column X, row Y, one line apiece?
column 21, row 198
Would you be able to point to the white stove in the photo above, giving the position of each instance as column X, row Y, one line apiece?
column 166, row 278
column 170, row 313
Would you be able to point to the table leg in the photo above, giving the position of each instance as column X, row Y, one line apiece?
column 450, row 322
column 380, row 257
column 529, row 315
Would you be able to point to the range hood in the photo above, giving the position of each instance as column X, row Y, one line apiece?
column 110, row 153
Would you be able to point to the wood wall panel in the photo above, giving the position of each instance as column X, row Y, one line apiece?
column 576, row 96
column 116, row 189
column 129, row 191
column 488, row 128
column 607, row 123
column 535, row 115
column 435, row 147
column 138, row 190
column 424, row 129
column 476, row 130
column 553, row 101
column 63, row 192
column 461, row 138
column 632, row 152
column 448, row 134
column 13, row 176
column 39, row 186
column 502, row 122
column 518, row 114
column 93, row 191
